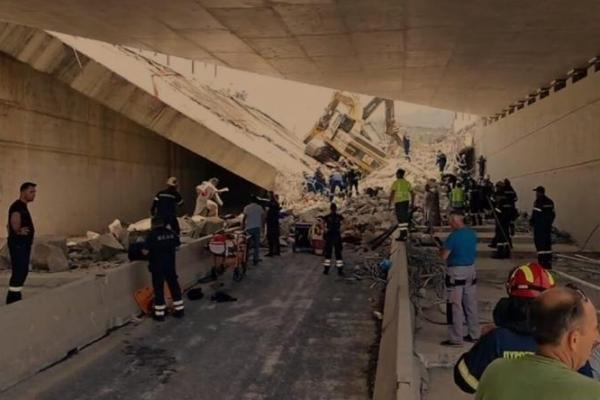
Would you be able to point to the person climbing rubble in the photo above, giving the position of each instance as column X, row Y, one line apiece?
column 320, row 183
column 353, row 177
column 209, row 200
column 336, row 180
column 406, row 146
column 160, row 247
column 333, row 240
column 165, row 205
column 402, row 196
column 441, row 160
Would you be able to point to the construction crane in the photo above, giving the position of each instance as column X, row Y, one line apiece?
column 340, row 132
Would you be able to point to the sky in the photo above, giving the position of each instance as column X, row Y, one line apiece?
column 298, row 106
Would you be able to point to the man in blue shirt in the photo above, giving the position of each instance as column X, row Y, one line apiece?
column 459, row 252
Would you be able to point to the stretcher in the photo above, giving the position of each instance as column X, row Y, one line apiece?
column 229, row 250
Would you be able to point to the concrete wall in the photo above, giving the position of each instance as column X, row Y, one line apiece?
column 554, row 142
column 92, row 164
column 398, row 373
column 43, row 329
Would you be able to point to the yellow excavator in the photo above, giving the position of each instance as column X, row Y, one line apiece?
column 341, row 132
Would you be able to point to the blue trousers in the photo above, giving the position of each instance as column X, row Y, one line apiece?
column 255, row 237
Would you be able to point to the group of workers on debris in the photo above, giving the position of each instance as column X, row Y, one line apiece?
column 344, row 177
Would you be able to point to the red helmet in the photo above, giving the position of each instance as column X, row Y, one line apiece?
column 529, row 280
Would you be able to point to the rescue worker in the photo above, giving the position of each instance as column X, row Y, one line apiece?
column 512, row 335
column 320, row 183
column 511, row 196
column 475, row 203
column 481, row 162
column 161, row 246
column 20, row 239
column 333, row 240
column 457, row 197
column 406, row 145
column 459, row 252
column 353, row 178
column 165, row 205
column 487, row 192
column 402, row 196
column 336, row 180
column 503, row 212
column 542, row 218
column 209, row 200
column 273, row 210
column 441, row 160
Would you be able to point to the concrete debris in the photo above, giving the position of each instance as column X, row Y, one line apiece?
column 48, row 257
column 106, row 245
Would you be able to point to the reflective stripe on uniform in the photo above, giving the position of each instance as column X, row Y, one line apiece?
column 327, row 262
column 178, row 303
column 160, row 307
column 403, row 225
column 178, row 308
column 528, row 273
column 537, row 209
column 15, row 288
column 466, row 375
column 166, row 195
column 498, row 210
column 339, row 263
column 159, row 313
column 545, row 252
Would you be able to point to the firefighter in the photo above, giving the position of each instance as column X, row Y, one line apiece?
column 402, row 196
column 20, row 239
column 541, row 220
column 487, row 192
column 333, row 240
column 503, row 212
column 165, row 204
column 161, row 245
column 512, row 335
column 511, row 196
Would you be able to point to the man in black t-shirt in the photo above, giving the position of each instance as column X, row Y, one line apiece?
column 20, row 239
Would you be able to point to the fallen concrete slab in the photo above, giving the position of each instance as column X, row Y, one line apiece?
column 203, row 120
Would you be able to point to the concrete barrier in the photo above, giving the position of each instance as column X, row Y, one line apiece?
column 398, row 372
column 43, row 329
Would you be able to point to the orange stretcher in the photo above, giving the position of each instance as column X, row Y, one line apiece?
column 230, row 250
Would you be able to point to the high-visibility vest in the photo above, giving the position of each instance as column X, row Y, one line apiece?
column 402, row 189
column 457, row 195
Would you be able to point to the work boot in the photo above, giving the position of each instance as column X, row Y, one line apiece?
column 13, row 297
column 159, row 318
column 325, row 270
column 179, row 313
column 269, row 255
column 340, row 271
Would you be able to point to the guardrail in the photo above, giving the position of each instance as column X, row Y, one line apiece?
column 43, row 329
column 398, row 373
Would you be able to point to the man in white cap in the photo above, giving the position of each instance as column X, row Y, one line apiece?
column 208, row 200
column 165, row 205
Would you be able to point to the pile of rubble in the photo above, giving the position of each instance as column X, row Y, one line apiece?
column 108, row 249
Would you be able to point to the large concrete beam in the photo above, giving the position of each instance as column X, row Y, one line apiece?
column 202, row 120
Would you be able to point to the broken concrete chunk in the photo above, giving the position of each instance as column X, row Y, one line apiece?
column 141, row 226
column 48, row 257
column 106, row 245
